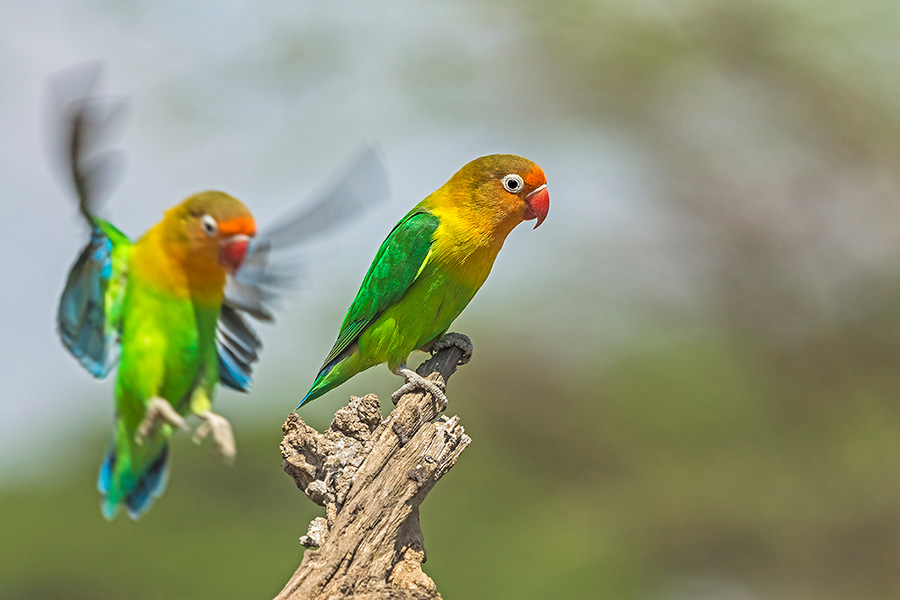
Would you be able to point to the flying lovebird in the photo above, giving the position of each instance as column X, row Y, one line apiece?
column 169, row 308
column 429, row 268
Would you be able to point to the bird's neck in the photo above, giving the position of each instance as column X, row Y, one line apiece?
column 472, row 226
column 168, row 265
column 469, row 243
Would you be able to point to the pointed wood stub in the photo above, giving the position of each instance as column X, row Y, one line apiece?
column 371, row 475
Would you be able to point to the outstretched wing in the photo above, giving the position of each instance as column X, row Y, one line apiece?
column 89, row 313
column 89, row 316
column 271, row 265
column 396, row 265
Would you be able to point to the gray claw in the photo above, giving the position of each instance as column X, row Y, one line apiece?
column 414, row 381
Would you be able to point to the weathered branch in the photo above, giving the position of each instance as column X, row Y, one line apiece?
column 371, row 475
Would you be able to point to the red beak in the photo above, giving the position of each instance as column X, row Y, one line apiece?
column 232, row 251
column 538, row 203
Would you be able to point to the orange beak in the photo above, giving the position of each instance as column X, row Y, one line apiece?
column 232, row 251
column 538, row 203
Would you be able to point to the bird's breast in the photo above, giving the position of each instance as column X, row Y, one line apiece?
column 467, row 255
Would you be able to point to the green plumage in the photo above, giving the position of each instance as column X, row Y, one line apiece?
column 154, row 306
column 430, row 267
column 168, row 351
column 392, row 272
column 377, row 305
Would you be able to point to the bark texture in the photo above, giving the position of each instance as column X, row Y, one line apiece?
column 371, row 475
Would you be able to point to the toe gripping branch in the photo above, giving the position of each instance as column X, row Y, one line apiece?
column 448, row 352
column 451, row 339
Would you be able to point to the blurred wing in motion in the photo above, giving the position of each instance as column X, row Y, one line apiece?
column 238, row 349
column 83, row 127
column 88, row 317
column 269, row 268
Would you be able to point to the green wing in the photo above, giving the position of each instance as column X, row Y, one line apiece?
column 396, row 265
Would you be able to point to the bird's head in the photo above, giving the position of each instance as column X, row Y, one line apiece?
column 214, row 229
column 506, row 187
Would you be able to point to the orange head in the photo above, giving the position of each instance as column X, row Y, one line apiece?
column 213, row 229
column 502, row 188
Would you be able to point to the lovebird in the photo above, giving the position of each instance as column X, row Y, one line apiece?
column 430, row 267
column 169, row 307
column 159, row 299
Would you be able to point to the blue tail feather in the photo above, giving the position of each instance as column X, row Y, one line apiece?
column 104, row 481
column 148, row 486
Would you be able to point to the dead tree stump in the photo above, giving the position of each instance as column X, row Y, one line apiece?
column 371, row 475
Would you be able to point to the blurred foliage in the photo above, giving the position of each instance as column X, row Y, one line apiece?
column 211, row 535
column 696, row 459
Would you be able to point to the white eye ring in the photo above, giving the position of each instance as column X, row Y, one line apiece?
column 513, row 183
column 210, row 227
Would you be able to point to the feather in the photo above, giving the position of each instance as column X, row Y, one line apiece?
column 238, row 348
column 271, row 265
column 84, row 326
column 268, row 268
column 399, row 261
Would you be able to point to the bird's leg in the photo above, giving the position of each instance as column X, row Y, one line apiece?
column 158, row 411
column 449, row 339
column 414, row 381
column 223, row 438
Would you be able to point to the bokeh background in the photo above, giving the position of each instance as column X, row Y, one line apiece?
column 686, row 383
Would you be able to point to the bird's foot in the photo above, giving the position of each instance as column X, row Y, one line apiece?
column 223, row 437
column 451, row 339
column 158, row 411
column 414, row 381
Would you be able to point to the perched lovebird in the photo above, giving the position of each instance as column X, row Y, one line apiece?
column 429, row 268
column 169, row 307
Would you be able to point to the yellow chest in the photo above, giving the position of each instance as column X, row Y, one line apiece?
column 466, row 247
column 171, row 272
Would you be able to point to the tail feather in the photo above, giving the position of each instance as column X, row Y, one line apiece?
column 150, row 486
column 136, row 491
column 335, row 372
column 318, row 387
column 104, row 481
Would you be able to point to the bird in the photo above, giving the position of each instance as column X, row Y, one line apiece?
column 169, row 308
column 159, row 299
column 429, row 268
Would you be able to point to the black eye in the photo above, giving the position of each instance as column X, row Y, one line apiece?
column 513, row 183
column 210, row 227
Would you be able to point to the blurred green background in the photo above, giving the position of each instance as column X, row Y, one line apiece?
column 686, row 384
